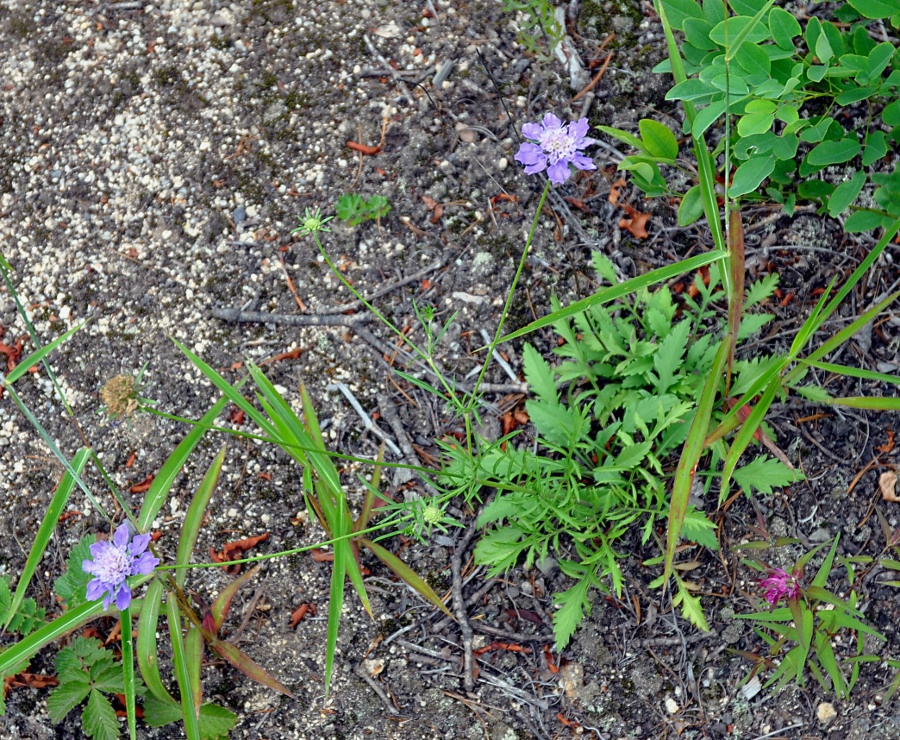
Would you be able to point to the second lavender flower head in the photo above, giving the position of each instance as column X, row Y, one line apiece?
column 113, row 561
column 554, row 147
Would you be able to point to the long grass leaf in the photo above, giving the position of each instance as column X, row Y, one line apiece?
column 45, row 531
column 192, row 520
column 147, row 652
column 690, row 455
column 182, row 673
column 246, row 665
column 222, row 603
column 193, row 658
column 407, row 574
column 617, row 291
column 128, row 672
column 335, row 605
column 842, row 336
column 23, row 366
column 743, row 437
column 162, row 483
column 854, row 372
column 229, row 391
column 57, row 453
column 739, row 40
column 59, row 627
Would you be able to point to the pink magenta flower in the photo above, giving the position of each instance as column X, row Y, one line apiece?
column 113, row 562
column 779, row 585
column 557, row 147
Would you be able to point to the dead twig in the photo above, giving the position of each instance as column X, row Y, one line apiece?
column 258, row 317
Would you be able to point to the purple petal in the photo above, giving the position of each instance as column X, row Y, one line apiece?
column 107, row 600
column 95, row 589
column 579, row 128
column 88, row 566
column 531, row 130
column 144, row 565
column 98, row 548
column 559, row 172
column 121, row 537
column 586, row 142
column 123, row 597
column 551, row 122
column 529, row 154
column 139, row 544
column 583, row 163
column 533, row 169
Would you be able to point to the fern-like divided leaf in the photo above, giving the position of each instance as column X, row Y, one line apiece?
column 29, row 617
column 87, row 670
column 71, row 586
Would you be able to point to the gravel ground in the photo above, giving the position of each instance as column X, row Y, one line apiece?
column 155, row 158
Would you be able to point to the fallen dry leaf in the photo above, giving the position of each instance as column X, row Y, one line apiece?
column 233, row 551
column 636, row 225
column 887, row 482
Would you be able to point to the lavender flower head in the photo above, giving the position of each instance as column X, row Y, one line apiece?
column 113, row 562
column 779, row 585
column 557, row 147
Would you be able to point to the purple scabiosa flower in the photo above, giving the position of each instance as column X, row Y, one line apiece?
column 558, row 145
column 779, row 585
column 113, row 561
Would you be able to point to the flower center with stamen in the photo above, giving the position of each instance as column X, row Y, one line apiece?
column 114, row 566
column 558, row 144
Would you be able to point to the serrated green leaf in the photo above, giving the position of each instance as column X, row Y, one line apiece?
column 99, row 718
column 699, row 529
column 690, row 606
column 500, row 549
column 574, row 606
column 764, row 474
column 667, row 360
column 71, row 585
column 66, row 697
column 539, row 375
column 761, row 289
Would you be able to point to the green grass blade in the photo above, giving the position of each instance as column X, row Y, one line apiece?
column 246, row 665
column 407, row 574
column 48, row 524
column 35, row 357
column 690, row 455
column 735, row 46
column 842, row 336
column 335, row 605
column 229, row 391
column 861, row 269
column 159, row 489
column 617, row 291
column 191, row 527
column 193, row 658
column 147, row 652
column 743, row 437
column 59, row 627
column 873, row 403
column 222, row 603
column 854, row 372
column 182, row 673
column 128, row 672
column 48, row 440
